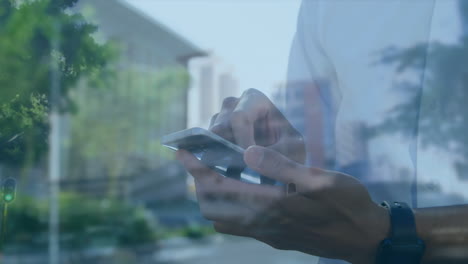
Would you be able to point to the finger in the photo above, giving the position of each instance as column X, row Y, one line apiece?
column 194, row 166
column 230, row 205
column 308, row 181
column 234, row 201
column 291, row 146
column 242, row 129
column 213, row 119
column 215, row 183
column 229, row 104
column 221, row 124
column 272, row 164
column 209, row 187
column 252, row 108
column 226, row 199
column 210, row 181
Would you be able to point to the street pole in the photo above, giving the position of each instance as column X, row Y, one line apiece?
column 54, row 152
column 4, row 219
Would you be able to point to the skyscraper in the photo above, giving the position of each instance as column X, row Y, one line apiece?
column 307, row 107
column 212, row 81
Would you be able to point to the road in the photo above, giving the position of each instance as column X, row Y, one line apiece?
column 217, row 249
column 227, row 250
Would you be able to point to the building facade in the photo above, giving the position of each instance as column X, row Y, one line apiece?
column 146, row 49
column 212, row 81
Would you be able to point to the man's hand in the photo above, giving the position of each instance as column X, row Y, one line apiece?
column 252, row 119
column 330, row 214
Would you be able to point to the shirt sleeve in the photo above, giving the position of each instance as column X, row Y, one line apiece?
column 308, row 98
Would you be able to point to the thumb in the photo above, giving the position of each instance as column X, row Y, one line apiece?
column 273, row 165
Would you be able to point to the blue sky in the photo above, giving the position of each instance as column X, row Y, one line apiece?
column 253, row 36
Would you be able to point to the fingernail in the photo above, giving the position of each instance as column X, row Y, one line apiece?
column 254, row 156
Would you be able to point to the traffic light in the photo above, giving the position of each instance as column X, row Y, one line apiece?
column 9, row 190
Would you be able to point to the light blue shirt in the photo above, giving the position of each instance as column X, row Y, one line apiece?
column 342, row 88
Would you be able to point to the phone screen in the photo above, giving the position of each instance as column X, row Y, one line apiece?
column 219, row 156
column 213, row 153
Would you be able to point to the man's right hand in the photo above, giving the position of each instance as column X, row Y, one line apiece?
column 253, row 119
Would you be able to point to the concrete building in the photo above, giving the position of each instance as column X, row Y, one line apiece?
column 146, row 42
column 147, row 47
column 212, row 81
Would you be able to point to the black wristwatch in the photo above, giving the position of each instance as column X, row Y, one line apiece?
column 403, row 246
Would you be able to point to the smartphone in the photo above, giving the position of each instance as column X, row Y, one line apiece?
column 216, row 153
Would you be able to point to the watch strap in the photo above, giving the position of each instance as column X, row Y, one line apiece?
column 403, row 246
column 403, row 225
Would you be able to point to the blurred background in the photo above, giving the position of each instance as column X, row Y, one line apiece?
column 89, row 87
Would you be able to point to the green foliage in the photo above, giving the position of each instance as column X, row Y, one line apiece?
column 21, row 123
column 197, row 231
column 26, row 223
column 28, row 30
column 443, row 102
column 119, row 130
column 137, row 101
column 84, row 223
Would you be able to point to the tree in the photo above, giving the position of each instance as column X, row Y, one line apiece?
column 117, row 132
column 443, row 124
column 27, row 32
